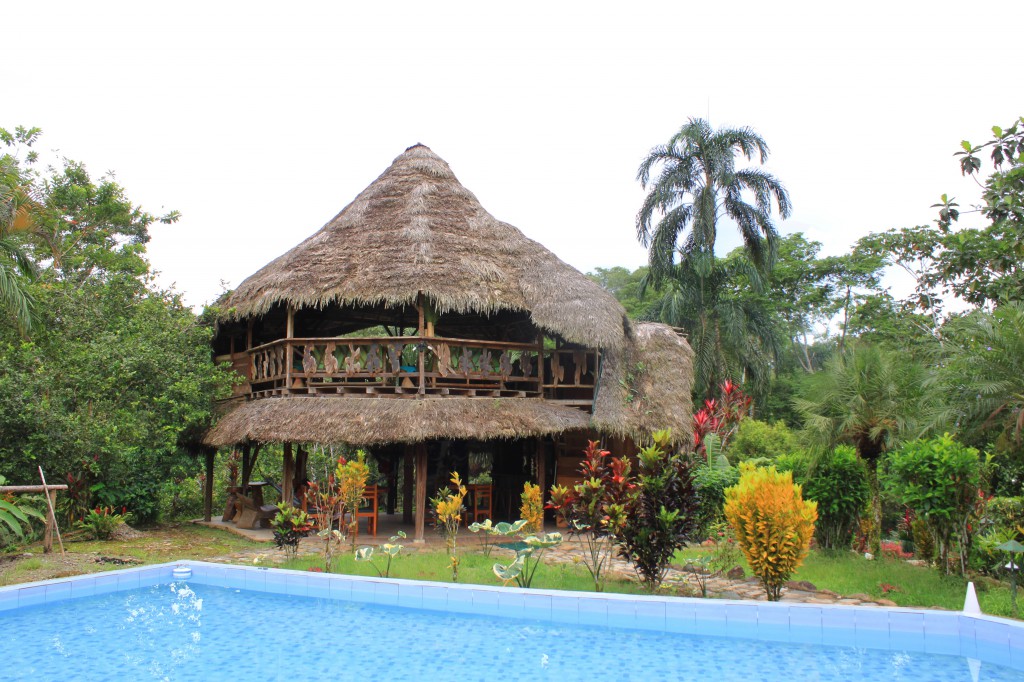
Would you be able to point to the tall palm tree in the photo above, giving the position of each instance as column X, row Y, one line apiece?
column 698, row 184
column 872, row 399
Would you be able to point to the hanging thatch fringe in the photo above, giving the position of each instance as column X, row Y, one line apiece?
column 370, row 421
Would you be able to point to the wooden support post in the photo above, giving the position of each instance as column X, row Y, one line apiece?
column 289, row 332
column 421, row 332
column 208, row 487
column 392, row 484
column 540, row 364
column 246, row 466
column 288, row 475
column 51, row 523
column 421, row 493
column 301, row 468
column 540, row 461
column 407, row 484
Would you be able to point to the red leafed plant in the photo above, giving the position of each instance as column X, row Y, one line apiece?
column 595, row 508
column 720, row 416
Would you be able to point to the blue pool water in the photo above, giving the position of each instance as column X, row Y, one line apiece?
column 184, row 631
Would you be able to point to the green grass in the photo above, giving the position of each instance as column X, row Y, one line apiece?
column 28, row 565
column 474, row 568
column 848, row 573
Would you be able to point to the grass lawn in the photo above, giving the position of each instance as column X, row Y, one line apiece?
column 474, row 568
column 848, row 573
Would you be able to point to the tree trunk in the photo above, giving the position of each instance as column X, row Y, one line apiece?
column 875, row 541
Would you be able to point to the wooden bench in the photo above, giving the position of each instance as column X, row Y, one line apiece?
column 253, row 516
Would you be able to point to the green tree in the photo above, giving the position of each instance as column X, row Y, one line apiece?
column 698, row 185
column 626, row 287
column 117, row 376
column 871, row 399
column 732, row 337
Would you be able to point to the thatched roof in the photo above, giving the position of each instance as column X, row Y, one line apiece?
column 370, row 421
column 417, row 229
column 646, row 387
column 643, row 388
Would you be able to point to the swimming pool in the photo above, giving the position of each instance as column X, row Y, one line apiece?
column 247, row 623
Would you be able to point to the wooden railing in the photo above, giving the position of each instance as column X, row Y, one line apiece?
column 412, row 365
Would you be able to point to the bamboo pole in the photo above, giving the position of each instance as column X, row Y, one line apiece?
column 53, row 514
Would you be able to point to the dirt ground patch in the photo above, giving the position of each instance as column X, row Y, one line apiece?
column 129, row 547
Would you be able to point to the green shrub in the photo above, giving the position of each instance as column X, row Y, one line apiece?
column 661, row 511
column 924, row 543
column 760, row 439
column 1005, row 513
column 711, row 482
column 938, row 478
column 838, row 483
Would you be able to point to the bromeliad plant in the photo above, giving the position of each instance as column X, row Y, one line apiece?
column 447, row 517
column 772, row 522
column 390, row 549
column 290, row 526
column 662, row 512
column 595, row 508
column 101, row 522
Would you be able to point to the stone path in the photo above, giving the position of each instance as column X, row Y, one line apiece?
column 678, row 582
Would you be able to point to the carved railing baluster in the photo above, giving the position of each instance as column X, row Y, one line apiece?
column 444, row 359
column 395, row 357
column 330, row 360
column 308, row 361
column 505, row 365
column 466, row 361
column 526, row 363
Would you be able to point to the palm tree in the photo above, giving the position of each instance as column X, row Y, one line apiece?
column 871, row 399
column 984, row 371
column 732, row 338
column 16, row 269
column 698, row 184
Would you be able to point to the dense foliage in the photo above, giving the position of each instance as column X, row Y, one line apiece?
column 940, row 480
column 661, row 512
column 839, row 484
column 115, row 379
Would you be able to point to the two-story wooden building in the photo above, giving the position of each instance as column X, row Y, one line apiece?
column 418, row 325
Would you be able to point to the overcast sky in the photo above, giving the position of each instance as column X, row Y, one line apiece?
column 260, row 121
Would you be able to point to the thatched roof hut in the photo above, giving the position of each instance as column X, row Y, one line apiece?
column 490, row 338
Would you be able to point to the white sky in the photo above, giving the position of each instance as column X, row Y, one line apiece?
column 260, row 123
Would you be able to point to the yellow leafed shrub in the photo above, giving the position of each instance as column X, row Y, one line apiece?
column 773, row 524
column 532, row 509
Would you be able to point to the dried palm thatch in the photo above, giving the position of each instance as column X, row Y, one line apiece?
column 369, row 421
column 646, row 387
column 417, row 229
